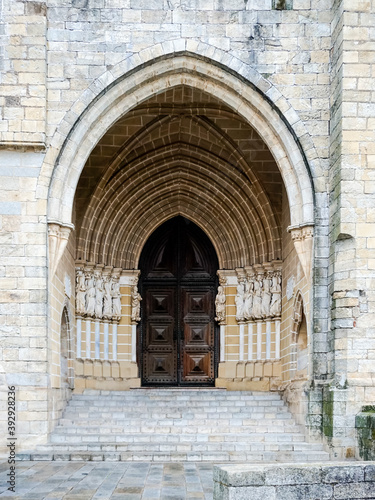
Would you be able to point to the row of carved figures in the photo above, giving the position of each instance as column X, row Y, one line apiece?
column 98, row 296
column 259, row 297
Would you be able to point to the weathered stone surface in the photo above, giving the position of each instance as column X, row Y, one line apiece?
column 271, row 136
column 293, row 482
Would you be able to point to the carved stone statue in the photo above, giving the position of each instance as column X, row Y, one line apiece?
column 116, row 301
column 220, row 305
column 275, row 309
column 99, row 294
column 90, row 296
column 248, row 300
column 107, row 309
column 257, row 300
column 240, row 302
column 266, row 298
column 136, row 304
column 80, row 294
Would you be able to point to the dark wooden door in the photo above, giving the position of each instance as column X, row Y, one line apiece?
column 178, row 342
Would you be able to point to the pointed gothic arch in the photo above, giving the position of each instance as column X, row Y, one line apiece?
column 243, row 91
column 67, row 159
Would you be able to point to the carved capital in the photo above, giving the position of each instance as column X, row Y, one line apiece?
column 223, row 278
column 58, row 236
column 303, row 242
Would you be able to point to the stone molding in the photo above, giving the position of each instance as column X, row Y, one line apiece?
column 176, row 64
column 58, row 236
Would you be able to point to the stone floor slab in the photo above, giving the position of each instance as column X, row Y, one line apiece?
column 61, row 480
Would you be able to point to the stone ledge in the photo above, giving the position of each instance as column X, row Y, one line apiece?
column 340, row 480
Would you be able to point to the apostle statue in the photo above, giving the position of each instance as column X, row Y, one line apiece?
column 257, row 300
column 99, row 295
column 80, row 294
column 116, row 300
column 240, row 302
column 136, row 304
column 220, row 305
column 266, row 298
column 90, row 296
column 107, row 309
column 248, row 300
column 275, row 309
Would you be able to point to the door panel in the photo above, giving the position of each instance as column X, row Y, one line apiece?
column 197, row 367
column 178, row 283
column 160, row 353
column 196, row 347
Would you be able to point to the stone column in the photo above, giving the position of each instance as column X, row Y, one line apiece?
column 250, row 333
column 88, row 338
column 79, row 337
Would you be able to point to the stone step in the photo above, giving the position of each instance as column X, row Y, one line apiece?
column 178, row 425
column 178, row 393
column 182, row 404
column 145, row 438
column 182, row 400
column 177, row 396
column 163, row 428
column 194, row 456
column 121, row 425
column 214, row 407
column 184, row 447
column 240, row 419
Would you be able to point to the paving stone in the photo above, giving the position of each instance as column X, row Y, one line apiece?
column 100, row 481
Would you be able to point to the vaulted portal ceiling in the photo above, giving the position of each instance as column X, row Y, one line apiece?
column 181, row 152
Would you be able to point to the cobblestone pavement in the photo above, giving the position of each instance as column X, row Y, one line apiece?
column 107, row 480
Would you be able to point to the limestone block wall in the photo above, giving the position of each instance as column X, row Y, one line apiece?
column 351, row 268
column 294, row 282
column 61, row 333
column 23, row 293
column 24, row 66
column 314, row 61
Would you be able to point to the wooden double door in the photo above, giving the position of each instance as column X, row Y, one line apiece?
column 178, row 341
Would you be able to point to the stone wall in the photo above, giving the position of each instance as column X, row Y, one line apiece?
column 316, row 480
column 310, row 61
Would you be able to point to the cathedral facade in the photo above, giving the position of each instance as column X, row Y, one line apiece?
column 188, row 200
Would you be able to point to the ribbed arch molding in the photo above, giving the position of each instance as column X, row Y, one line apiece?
column 73, row 143
column 179, row 179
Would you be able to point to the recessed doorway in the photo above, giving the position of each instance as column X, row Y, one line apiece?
column 178, row 335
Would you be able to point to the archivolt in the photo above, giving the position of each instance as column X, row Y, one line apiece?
column 160, row 174
column 154, row 76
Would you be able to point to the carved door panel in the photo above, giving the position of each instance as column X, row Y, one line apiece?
column 160, row 353
column 197, row 335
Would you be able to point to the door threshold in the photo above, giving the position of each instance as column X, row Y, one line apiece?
column 176, row 388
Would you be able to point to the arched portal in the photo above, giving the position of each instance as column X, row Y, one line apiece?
column 178, row 341
column 210, row 150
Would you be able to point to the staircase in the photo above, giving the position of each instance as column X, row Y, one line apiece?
column 170, row 425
